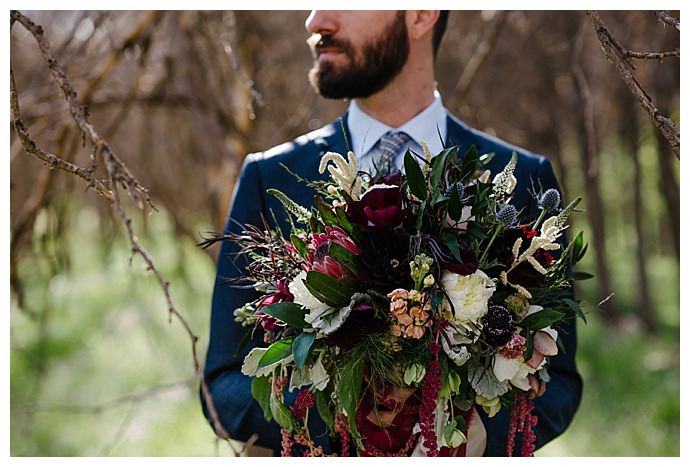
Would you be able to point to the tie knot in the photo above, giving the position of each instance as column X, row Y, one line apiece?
column 390, row 145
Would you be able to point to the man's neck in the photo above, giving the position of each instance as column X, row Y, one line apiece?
column 407, row 95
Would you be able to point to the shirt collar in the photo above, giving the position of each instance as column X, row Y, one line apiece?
column 365, row 130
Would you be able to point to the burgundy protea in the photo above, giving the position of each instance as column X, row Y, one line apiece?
column 319, row 248
column 498, row 325
column 380, row 207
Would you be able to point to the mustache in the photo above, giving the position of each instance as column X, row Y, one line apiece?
column 318, row 42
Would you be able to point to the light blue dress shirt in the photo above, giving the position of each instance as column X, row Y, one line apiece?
column 365, row 132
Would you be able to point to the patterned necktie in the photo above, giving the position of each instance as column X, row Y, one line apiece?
column 389, row 146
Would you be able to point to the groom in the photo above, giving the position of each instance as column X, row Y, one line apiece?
column 383, row 61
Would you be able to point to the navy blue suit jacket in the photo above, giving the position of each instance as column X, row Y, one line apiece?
column 240, row 415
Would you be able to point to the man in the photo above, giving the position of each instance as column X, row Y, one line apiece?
column 384, row 62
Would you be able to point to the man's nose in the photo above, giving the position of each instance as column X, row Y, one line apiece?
column 322, row 22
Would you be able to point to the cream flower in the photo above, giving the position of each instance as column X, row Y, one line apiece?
column 469, row 295
column 305, row 298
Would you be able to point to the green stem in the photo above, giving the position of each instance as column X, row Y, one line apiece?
column 486, row 250
column 539, row 219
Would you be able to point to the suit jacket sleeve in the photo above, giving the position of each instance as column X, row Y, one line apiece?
column 556, row 408
column 239, row 413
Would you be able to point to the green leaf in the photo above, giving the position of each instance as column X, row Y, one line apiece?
column 415, row 177
column 454, row 205
column 324, row 408
column 281, row 413
column 420, row 217
column 275, row 353
column 326, row 211
column 287, row 312
column 344, row 256
column 581, row 276
column 301, row 347
column 350, row 387
column 486, row 158
column 438, row 167
column 542, row 319
column 469, row 163
column 300, row 245
column 576, row 308
column 343, row 221
column 261, row 391
column 329, row 290
column 460, row 422
column 451, row 240
column 448, row 430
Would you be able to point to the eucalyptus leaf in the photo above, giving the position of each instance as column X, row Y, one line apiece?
column 276, row 352
column 327, row 289
column 281, row 414
column 415, row 177
column 287, row 312
column 301, row 347
column 261, row 391
column 542, row 319
column 324, row 408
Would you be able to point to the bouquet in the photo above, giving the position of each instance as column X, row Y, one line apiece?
column 421, row 296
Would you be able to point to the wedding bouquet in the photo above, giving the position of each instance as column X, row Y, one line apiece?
column 426, row 283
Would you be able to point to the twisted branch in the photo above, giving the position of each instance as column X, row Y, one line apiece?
column 616, row 54
column 119, row 175
column 668, row 19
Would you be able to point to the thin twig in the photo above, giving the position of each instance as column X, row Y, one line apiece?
column 119, row 174
column 52, row 160
column 615, row 53
column 108, row 405
column 653, row 55
column 668, row 19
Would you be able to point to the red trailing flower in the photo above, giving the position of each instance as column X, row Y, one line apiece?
column 304, row 401
column 427, row 414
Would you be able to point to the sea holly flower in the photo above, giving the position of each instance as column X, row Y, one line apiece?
column 469, row 295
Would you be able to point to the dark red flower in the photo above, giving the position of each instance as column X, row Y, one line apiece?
column 380, row 207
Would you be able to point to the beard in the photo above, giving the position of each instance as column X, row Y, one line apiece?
column 368, row 72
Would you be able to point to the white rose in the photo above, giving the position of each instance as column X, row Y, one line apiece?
column 304, row 297
column 469, row 295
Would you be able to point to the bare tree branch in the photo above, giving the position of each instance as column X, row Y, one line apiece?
column 481, row 52
column 119, row 174
column 652, row 55
column 615, row 53
column 52, row 160
column 668, row 19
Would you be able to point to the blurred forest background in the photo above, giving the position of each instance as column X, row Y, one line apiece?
column 181, row 97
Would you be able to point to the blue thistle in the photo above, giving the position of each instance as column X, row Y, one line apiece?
column 550, row 200
column 507, row 215
column 458, row 186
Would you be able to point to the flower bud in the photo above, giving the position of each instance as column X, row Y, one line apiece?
column 429, row 281
column 507, row 215
column 457, row 438
column 414, row 374
column 550, row 200
column 457, row 186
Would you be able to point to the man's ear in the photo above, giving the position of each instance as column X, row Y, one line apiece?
column 421, row 22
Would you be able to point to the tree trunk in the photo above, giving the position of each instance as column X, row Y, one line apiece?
column 584, row 109
column 630, row 130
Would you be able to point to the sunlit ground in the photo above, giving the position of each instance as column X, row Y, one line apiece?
column 102, row 332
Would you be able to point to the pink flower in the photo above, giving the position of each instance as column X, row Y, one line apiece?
column 515, row 348
column 319, row 247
